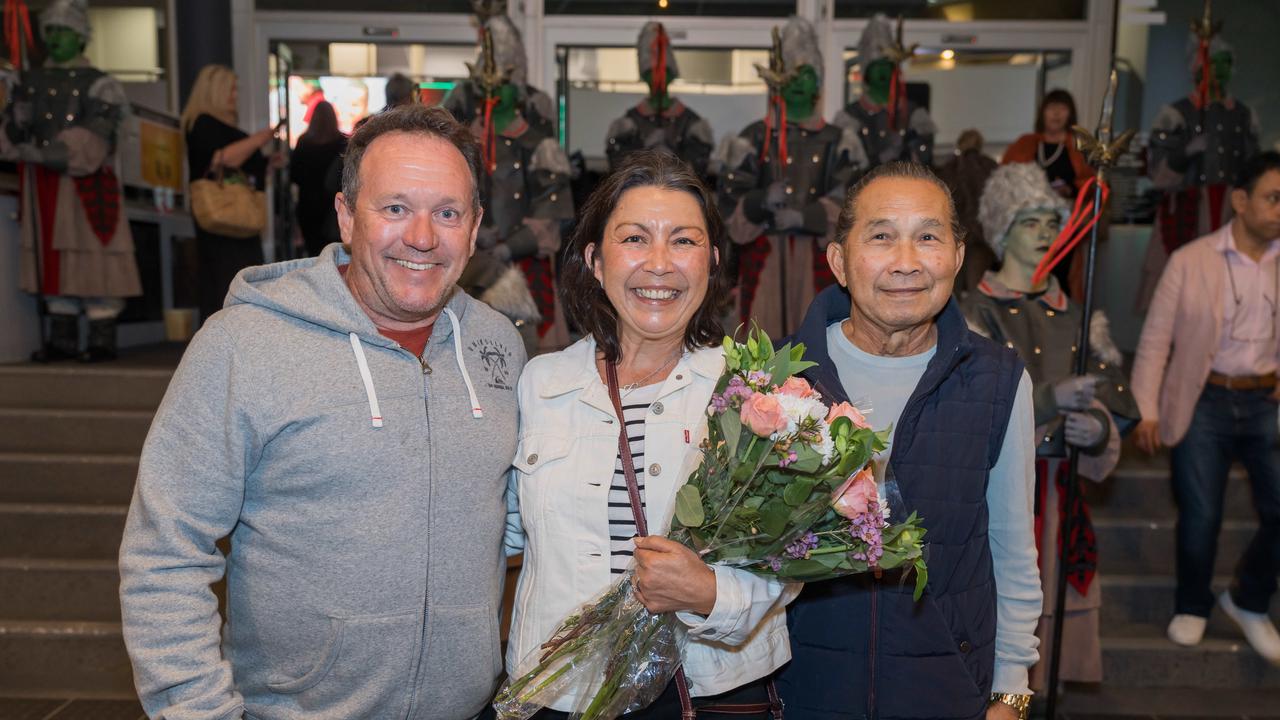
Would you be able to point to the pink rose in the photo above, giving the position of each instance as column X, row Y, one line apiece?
column 857, row 492
column 844, row 409
column 763, row 414
column 796, row 387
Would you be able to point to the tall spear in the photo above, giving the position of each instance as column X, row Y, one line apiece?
column 1101, row 151
column 776, row 76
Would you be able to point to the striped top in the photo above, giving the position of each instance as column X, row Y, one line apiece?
column 622, row 524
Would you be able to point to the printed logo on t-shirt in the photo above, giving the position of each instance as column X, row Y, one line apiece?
column 495, row 360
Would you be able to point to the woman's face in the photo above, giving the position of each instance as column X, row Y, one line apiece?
column 654, row 262
column 1056, row 116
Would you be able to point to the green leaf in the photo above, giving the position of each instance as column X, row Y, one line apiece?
column 754, row 502
column 797, row 491
column 731, row 426
column 689, row 507
column 773, row 517
column 807, row 461
column 922, row 579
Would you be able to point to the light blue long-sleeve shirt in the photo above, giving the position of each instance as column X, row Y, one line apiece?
column 881, row 387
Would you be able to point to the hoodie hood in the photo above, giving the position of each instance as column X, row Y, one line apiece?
column 312, row 290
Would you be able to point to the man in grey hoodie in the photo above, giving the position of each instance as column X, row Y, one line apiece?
column 348, row 421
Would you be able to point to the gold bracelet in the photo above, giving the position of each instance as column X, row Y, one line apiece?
column 1021, row 703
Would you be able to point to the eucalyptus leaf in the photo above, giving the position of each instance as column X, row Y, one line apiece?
column 689, row 507
column 797, row 491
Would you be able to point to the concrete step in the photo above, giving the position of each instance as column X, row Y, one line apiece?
column 66, row 478
column 1090, row 702
column 55, row 531
column 1147, row 493
column 1147, row 600
column 40, row 658
column 73, row 431
column 41, row 589
column 1147, row 659
column 1146, row 547
column 72, row 386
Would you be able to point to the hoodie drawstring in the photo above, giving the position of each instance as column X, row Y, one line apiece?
column 375, row 414
column 476, row 411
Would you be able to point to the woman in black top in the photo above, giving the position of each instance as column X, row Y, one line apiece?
column 213, row 140
column 316, row 168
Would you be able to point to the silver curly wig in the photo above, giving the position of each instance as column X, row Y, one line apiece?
column 644, row 48
column 1010, row 190
column 800, row 46
column 72, row 14
column 877, row 38
column 508, row 48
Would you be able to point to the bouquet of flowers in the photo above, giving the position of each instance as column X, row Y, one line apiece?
column 784, row 490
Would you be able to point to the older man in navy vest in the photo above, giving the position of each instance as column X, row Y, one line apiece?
column 891, row 340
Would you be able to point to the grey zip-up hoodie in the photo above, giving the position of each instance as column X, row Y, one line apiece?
column 363, row 492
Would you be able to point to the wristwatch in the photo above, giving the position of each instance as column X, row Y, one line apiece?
column 1021, row 703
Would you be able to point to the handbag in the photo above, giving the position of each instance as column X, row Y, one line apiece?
column 233, row 209
column 687, row 711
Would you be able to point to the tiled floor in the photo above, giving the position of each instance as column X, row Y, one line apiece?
column 42, row 709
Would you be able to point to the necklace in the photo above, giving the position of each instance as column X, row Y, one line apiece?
column 626, row 389
column 1040, row 158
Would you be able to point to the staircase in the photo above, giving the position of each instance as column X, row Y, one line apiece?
column 70, row 437
column 1146, row 675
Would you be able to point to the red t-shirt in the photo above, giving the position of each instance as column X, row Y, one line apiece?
column 415, row 341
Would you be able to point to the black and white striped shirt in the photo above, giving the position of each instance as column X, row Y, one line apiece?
column 622, row 524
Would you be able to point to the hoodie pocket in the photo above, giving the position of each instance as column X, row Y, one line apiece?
column 464, row 661
column 364, row 667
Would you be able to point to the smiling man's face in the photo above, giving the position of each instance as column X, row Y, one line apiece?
column 412, row 229
column 900, row 259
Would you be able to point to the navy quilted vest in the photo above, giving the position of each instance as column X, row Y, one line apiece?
column 861, row 648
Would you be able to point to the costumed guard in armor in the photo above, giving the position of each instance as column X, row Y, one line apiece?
column 1020, row 215
column 466, row 99
column 526, row 196
column 891, row 126
column 660, row 121
column 783, row 182
column 1198, row 145
column 77, row 251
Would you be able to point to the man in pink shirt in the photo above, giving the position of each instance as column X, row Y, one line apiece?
column 1205, row 381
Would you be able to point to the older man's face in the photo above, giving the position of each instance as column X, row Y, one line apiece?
column 900, row 260
column 412, row 230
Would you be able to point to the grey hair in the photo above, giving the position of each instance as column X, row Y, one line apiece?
column 902, row 169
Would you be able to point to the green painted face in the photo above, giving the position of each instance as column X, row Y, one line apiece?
column 63, row 43
column 647, row 76
column 1222, row 65
column 877, row 78
column 801, row 93
column 1030, row 236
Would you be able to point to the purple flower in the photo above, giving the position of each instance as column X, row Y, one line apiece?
column 801, row 547
column 759, row 380
column 867, row 530
column 775, row 563
column 790, row 457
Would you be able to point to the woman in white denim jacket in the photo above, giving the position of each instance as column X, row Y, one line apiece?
column 642, row 278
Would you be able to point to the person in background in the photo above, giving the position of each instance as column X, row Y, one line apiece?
column 890, row 125
column 77, row 248
column 1205, row 380
column 400, row 90
column 347, row 423
column 966, row 174
column 312, row 169
column 782, row 180
column 962, row 454
column 1052, row 147
column 643, row 273
column 215, row 143
column 659, row 121
column 1022, row 214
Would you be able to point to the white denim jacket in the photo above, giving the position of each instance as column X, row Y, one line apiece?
column 563, row 469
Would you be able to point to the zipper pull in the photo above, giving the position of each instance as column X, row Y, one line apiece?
column 426, row 369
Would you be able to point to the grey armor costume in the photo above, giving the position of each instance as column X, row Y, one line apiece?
column 782, row 189
column 62, row 125
column 466, row 99
column 1197, row 147
column 1044, row 329
column 676, row 129
column 888, row 134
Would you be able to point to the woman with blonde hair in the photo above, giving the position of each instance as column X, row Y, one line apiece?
column 214, row 141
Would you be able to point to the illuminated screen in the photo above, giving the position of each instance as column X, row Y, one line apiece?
column 352, row 98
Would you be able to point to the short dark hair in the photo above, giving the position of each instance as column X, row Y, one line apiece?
column 585, row 301
column 1058, row 97
column 400, row 90
column 903, row 169
column 415, row 120
column 1254, row 168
